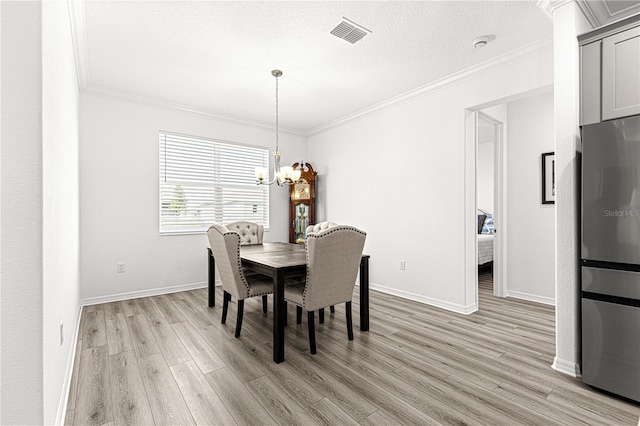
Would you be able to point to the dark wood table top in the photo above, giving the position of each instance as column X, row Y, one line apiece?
column 274, row 255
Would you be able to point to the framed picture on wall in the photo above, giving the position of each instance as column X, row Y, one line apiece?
column 548, row 178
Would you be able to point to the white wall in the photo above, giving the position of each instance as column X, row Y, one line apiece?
column 119, row 196
column 485, row 172
column 61, row 285
column 21, row 370
column 531, row 224
column 399, row 174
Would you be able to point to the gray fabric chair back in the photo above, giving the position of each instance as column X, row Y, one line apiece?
column 250, row 232
column 225, row 245
column 333, row 261
column 320, row 227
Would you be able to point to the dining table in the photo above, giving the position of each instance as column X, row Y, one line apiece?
column 279, row 261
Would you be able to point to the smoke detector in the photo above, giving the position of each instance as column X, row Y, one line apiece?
column 479, row 42
column 350, row 31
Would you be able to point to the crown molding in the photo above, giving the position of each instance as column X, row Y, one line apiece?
column 79, row 40
column 185, row 109
column 597, row 12
column 455, row 78
column 602, row 13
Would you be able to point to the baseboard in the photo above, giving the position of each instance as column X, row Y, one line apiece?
column 566, row 367
column 454, row 307
column 531, row 297
column 68, row 376
column 143, row 293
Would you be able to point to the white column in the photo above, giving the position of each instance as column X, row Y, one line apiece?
column 568, row 23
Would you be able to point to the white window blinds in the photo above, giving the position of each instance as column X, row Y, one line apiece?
column 204, row 181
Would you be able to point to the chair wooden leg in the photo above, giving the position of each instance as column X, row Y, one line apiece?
column 264, row 303
column 333, row 309
column 312, row 332
column 321, row 315
column 239, row 320
column 349, row 320
column 298, row 315
column 225, row 306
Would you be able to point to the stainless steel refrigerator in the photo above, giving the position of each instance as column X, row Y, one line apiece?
column 611, row 256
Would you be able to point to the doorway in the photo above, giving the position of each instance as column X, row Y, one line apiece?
column 489, row 148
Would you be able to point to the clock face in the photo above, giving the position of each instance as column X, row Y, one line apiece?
column 301, row 191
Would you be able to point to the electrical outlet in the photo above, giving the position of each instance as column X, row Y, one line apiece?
column 61, row 333
column 403, row 265
column 120, row 267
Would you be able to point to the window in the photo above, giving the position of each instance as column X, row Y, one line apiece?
column 204, row 181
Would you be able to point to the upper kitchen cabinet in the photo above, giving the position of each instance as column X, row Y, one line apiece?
column 610, row 71
column 621, row 74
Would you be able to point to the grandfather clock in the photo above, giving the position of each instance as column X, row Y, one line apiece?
column 302, row 211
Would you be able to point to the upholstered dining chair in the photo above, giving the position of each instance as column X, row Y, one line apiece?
column 333, row 261
column 320, row 226
column 225, row 245
column 250, row 232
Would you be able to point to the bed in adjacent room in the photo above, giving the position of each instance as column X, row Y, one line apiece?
column 485, row 238
column 485, row 249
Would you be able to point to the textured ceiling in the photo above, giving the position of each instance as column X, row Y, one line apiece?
column 217, row 57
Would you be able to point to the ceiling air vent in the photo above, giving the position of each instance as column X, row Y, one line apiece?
column 349, row 31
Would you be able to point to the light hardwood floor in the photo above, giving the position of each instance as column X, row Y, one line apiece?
column 168, row 360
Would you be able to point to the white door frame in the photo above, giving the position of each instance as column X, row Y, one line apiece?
column 471, row 221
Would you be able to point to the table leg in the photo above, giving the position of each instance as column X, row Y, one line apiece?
column 279, row 307
column 364, row 294
column 212, row 278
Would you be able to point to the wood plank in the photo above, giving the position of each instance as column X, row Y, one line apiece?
column 339, row 390
column 234, row 355
column 150, row 310
column 141, row 336
column 130, row 307
column 237, row 399
column 205, row 405
column 95, row 332
column 373, row 392
column 540, row 404
column 498, row 405
column 172, row 347
column 201, row 352
column 196, row 318
column 166, row 402
column 597, row 413
column 130, row 403
column 431, row 406
column 118, row 338
column 93, row 404
column 68, row 418
column 170, row 311
column 283, row 408
column 380, row 418
column 326, row 412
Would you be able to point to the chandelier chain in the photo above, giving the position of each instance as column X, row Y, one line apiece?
column 277, row 116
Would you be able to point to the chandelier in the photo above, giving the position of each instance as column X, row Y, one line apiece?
column 282, row 175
